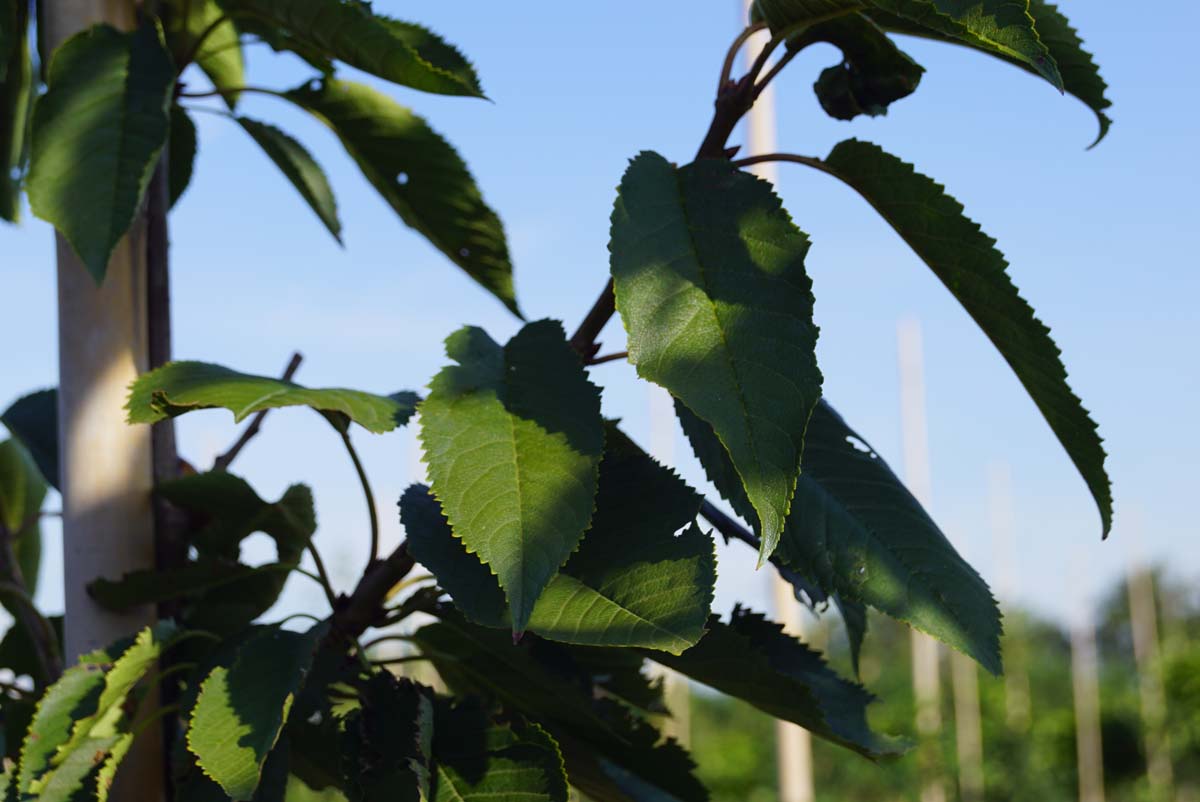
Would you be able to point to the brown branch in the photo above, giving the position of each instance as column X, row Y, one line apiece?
column 600, row 360
column 584, row 338
column 364, row 607
column 222, row 462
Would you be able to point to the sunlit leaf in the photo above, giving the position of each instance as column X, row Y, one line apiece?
column 709, row 276
column 97, row 134
column 513, row 438
column 180, row 387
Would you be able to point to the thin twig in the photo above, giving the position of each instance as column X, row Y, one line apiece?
column 368, row 495
column 807, row 161
column 777, row 68
column 412, row 658
column 222, row 462
column 600, row 360
column 233, row 90
column 584, row 338
column 323, row 576
column 734, row 49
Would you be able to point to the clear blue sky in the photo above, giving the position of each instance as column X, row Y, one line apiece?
column 1101, row 242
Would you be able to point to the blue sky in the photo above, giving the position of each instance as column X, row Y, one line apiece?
column 1099, row 241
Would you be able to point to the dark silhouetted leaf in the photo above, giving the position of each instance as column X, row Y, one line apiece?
column 966, row 260
column 33, row 420
column 420, row 175
column 751, row 658
column 181, row 153
column 300, row 168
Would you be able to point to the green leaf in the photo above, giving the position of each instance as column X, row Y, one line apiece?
column 349, row 31
column 860, row 536
column 1000, row 27
column 751, row 658
column 16, row 96
column 854, row 619
column 17, row 652
column 420, row 175
column 22, row 491
column 513, row 439
column 242, row 707
column 181, row 153
column 195, row 578
column 389, row 742
column 180, row 387
column 300, row 168
column 33, row 419
column 709, row 277
column 1080, row 75
column 966, row 260
column 597, row 736
column 479, row 760
column 792, row 16
column 84, row 719
column 873, row 74
column 220, row 54
column 97, row 135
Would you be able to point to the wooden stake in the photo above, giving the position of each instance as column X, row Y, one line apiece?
column 926, row 652
column 1086, row 688
column 1143, row 615
column 106, row 465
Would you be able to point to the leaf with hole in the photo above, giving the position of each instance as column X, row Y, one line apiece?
column 97, row 134
column 513, row 438
column 420, row 175
column 858, row 534
column 708, row 271
column 180, row 387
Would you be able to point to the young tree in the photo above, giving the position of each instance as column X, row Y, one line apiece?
column 562, row 556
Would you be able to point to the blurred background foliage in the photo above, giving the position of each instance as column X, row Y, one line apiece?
column 1032, row 759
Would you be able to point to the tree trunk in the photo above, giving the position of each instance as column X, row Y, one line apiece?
column 106, row 465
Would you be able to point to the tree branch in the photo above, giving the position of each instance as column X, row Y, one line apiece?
column 222, row 462
column 364, row 607
column 368, row 495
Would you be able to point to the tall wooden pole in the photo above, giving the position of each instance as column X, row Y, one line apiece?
column 793, row 744
column 1143, row 619
column 926, row 653
column 1085, row 685
column 106, row 465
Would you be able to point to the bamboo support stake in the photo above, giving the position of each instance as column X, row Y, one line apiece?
column 926, row 653
column 1143, row 615
column 106, row 465
column 1085, row 685
column 793, row 744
